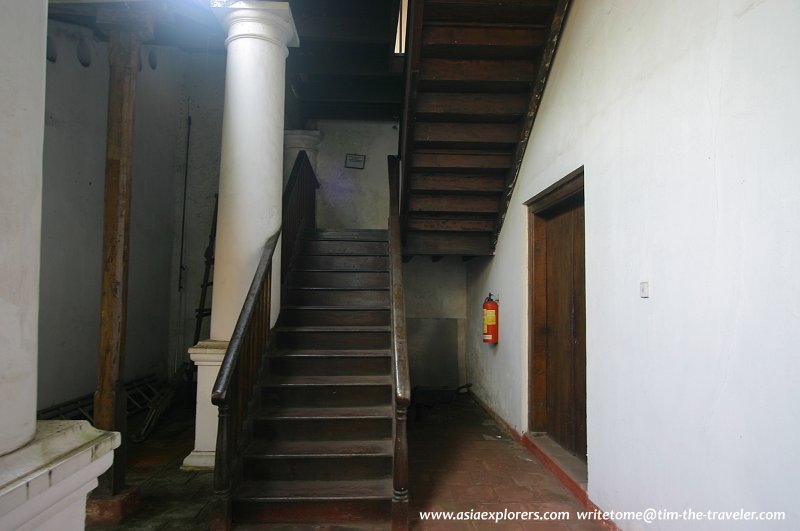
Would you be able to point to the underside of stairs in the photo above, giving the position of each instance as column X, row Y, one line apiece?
column 322, row 441
column 475, row 73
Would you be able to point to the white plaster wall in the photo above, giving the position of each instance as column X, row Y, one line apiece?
column 158, row 159
column 435, row 289
column 22, row 49
column 205, row 88
column 350, row 198
column 72, row 217
column 685, row 117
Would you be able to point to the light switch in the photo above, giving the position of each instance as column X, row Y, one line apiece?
column 644, row 290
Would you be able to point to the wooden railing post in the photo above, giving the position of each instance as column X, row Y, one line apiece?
column 400, row 481
column 235, row 390
column 221, row 518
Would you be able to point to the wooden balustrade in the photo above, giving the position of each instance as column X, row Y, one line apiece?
column 299, row 212
column 235, row 390
column 238, row 378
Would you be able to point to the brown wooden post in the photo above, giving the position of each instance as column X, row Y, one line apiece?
column 109, row 399
column 400, row 483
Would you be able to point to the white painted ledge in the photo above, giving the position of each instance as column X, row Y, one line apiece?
column 43, row 485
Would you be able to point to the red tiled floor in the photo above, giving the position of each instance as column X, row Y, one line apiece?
column 461, row 460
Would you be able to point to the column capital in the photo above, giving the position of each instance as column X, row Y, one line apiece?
column 301, row 139
column 268, row 21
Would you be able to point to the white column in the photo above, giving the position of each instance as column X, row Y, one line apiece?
column 251, row 187
column 295, row 141
column 46, row 468
column 22, row 131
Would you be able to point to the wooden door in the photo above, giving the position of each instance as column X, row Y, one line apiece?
column 558, row 310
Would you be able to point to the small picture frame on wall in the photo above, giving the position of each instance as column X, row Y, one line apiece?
column 353, row 160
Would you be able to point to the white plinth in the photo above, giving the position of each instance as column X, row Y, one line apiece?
column 207, row 355
column 43, row 485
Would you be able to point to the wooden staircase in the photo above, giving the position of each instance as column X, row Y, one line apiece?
column 322, row 446
column 475, row 73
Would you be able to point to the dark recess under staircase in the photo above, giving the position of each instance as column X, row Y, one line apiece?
column 322, row 444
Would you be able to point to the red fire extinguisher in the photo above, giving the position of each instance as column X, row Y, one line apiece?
column 490, row 329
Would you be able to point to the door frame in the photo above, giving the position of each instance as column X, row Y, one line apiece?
column 563, row 190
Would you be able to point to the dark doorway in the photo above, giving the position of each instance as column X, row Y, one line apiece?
column 557, row 298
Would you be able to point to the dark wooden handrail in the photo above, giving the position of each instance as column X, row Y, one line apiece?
column 402, row 382
column 246, row 319
column 299, row 197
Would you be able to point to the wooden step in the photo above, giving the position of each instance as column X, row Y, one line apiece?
column 341, row 262
column 466, row 135
column 334, row 423
column 349, row 297
column 448, row 243
column 326, row 380
column 514, row 12
column 455, row 162
column 315, row 490
column 331, row 362
column 340, row 279
column 477, row 70
column 334, row 316
column 328, row 412
column 298, row 393
column 454, row 203
column 468, row 107
column 421, row 222
column 311, row 502
column 481, row 41
column 374, row 337
column 457, row 183
column 273, row 448
column 316, row 468
column 374, row 235
column 345, row 247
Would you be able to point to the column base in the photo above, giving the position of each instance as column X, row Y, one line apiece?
column 207, row 355
column 199, row 460
column 44, row 484
column 112, row 510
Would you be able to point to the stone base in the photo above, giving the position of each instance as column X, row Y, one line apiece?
column 199, row 460
column 207, row 355
column 102, row 509
column 43, row 485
